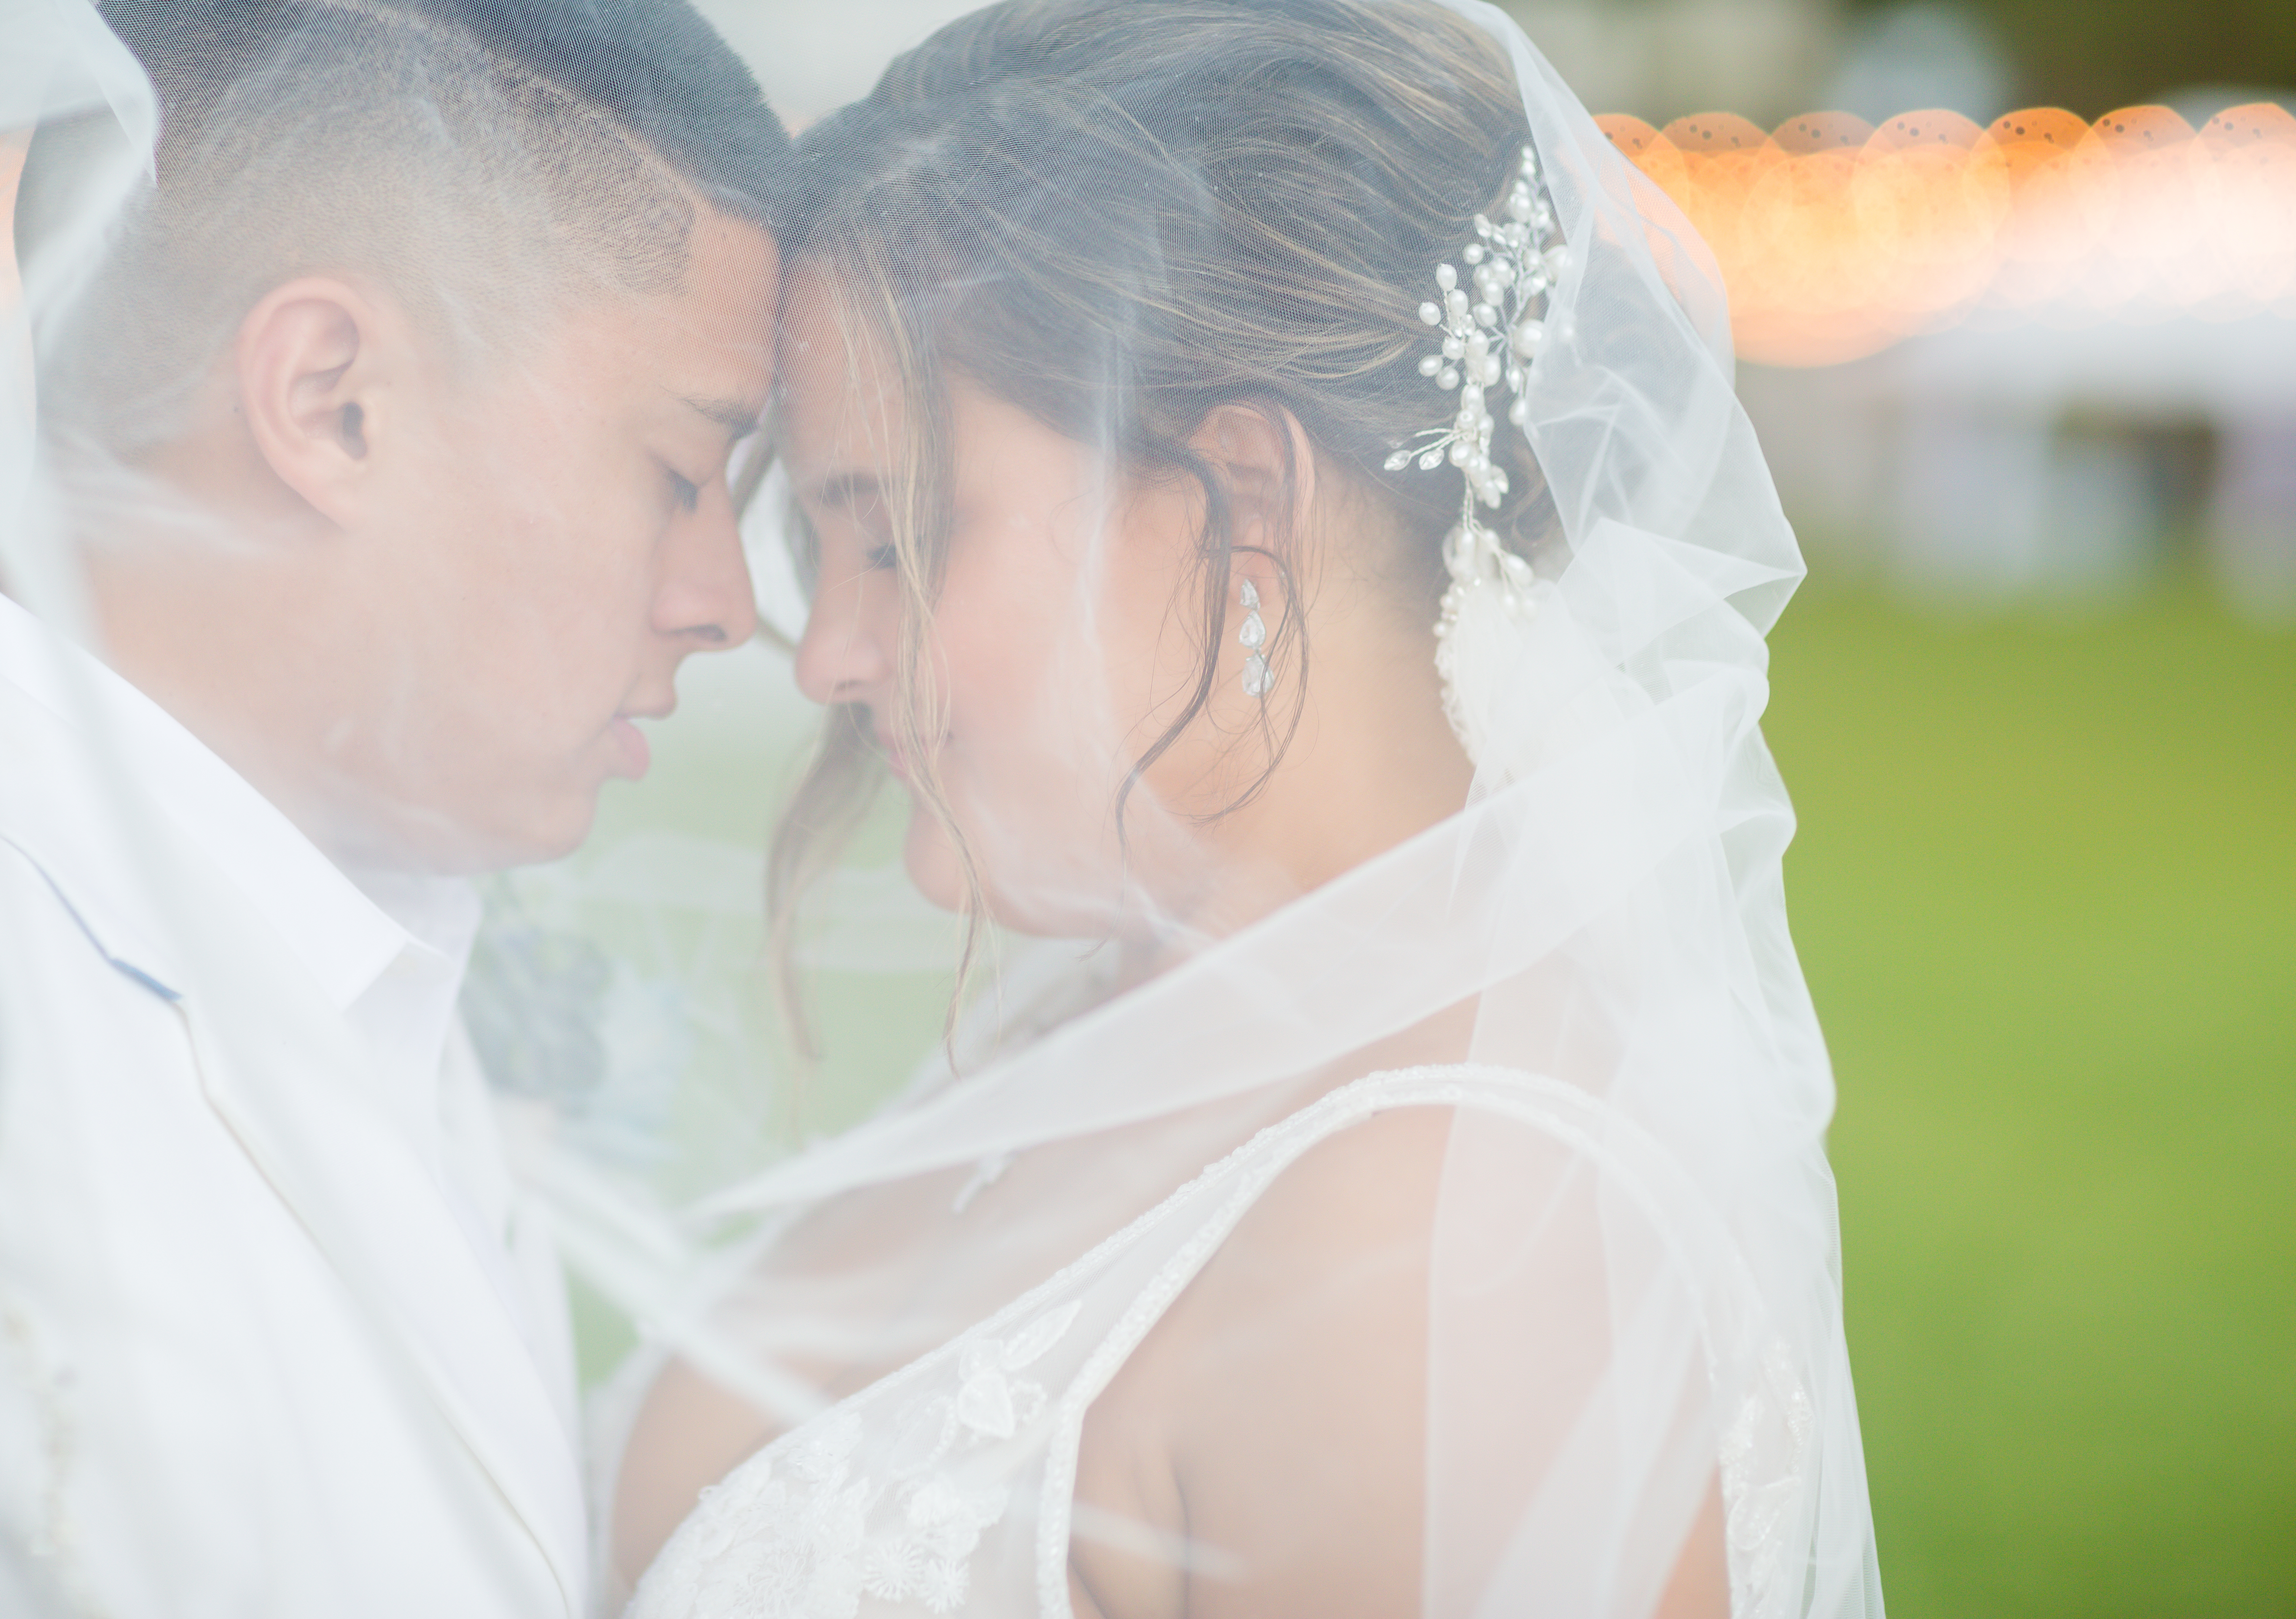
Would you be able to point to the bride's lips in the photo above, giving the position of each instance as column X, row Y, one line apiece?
column 896, row 761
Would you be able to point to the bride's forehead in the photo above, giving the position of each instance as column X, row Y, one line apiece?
column 846, row 403
column 841, row 388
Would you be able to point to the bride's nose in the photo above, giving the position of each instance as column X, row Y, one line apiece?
column 847, row 654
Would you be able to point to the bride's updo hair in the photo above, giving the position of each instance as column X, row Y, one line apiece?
column 1119, row 215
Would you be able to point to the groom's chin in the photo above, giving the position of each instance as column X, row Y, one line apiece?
column 551, row 837
column 472, row 844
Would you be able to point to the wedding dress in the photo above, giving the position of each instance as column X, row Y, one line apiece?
column 949, row 1483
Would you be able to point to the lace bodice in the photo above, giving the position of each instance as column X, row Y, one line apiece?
column 947, row 1487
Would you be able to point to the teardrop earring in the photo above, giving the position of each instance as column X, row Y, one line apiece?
column 1257, row 678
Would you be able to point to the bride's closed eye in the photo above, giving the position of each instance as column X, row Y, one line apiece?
column 855, row 502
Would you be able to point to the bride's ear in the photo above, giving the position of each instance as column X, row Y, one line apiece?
column 1266, row 464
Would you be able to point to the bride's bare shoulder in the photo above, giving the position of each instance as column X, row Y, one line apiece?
column 1272, row 1418
column 1360, row 1190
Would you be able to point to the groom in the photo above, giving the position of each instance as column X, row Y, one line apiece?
column 391, row 440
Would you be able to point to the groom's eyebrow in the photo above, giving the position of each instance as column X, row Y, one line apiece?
column 739, row 417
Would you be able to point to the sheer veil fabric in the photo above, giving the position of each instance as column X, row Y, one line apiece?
column 1455, row 1227
column 1623, row 1311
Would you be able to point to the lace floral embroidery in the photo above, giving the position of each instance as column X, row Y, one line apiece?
column 1764, row 1457
column 802, row 1531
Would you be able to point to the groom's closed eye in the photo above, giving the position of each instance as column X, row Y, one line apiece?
column 738, row 417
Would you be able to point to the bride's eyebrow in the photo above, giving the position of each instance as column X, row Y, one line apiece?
column 846, row 490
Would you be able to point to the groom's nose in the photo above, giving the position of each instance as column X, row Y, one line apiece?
column 706, row 597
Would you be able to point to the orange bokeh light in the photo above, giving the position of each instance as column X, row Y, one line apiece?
column 1836, row 239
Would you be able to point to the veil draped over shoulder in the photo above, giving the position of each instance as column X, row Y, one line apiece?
column 1617, row 1346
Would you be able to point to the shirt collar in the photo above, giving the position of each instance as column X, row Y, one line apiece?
column 347, row 933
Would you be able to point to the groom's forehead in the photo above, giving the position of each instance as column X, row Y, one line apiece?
column 718, row 326
column 698, row 356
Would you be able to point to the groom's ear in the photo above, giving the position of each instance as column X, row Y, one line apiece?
column 316, row 361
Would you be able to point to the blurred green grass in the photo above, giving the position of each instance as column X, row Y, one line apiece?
column 2045, row 890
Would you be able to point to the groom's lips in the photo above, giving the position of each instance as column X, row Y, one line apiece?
column 637, row 752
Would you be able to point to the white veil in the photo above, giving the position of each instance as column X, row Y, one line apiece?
column 64, row 66
column 1634, row 1295
column 1632, row 1302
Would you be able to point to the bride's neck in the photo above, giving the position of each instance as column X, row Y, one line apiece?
column 1372, row 764
column 1372, row 761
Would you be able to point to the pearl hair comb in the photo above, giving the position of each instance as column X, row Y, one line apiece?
column 1494, row 327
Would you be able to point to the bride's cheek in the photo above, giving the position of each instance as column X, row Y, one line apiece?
column 930, row 858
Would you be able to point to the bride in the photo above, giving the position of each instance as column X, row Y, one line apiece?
column 1272, row 497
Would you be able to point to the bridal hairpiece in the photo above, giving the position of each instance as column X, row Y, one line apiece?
column 1493, row 327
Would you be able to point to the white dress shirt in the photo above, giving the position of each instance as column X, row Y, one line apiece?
column 257, row 1240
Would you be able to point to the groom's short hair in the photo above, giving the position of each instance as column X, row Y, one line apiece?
column 482, row 159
